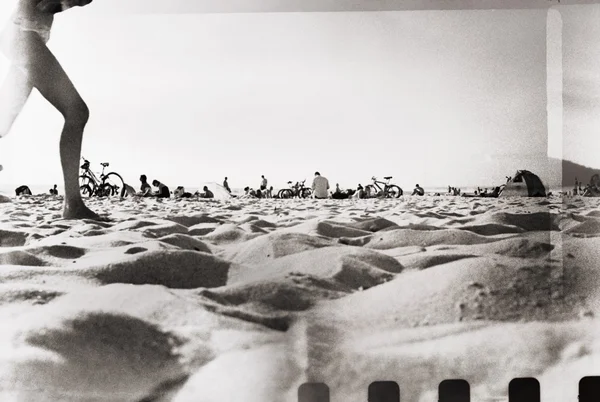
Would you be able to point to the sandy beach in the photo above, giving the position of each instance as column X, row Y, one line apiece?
column 244, row 300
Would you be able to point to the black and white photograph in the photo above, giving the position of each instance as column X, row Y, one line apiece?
column 299, row 200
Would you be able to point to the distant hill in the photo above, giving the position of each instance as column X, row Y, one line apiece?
column 569, row 171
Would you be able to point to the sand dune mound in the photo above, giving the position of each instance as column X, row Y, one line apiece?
column 105, row 241
column 275, row 245
column 469, row 289
column 350, row 266
column 11, row 293
column 227, row 234
column 520, row 247
column 61, row 251
column 293, row 293
column 89, row 355
column 189, row 221
column 428, row 259
column 534, row 221
column 12, row 238
column 410, row 237
column 491, row 229
column 173, row 269
column 373, row 224
column 587, row 228
column 271, row 366
column 321, row 227
column 202, row 229
column 185, row 242
column 20, row 257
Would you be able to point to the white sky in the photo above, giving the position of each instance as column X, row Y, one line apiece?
column 434, row 97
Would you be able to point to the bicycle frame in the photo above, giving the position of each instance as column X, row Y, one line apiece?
column 377, row 183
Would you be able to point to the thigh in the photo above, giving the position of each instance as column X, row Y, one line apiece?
column 43, row 71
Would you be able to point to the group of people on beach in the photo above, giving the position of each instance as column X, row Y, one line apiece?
column 162, row 190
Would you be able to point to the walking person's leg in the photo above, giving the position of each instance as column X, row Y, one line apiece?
column 40, row 69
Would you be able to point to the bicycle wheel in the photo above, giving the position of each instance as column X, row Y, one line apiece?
column 286, row 193
column 305, row 193
column 85, row 191
column 112, row 184
column 370, row 191
column 87, row 186
column 393, row 191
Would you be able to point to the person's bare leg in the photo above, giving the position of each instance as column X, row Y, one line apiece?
column 14, row 92
column 46, row 74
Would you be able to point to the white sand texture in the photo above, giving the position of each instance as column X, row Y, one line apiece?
column 244, row 300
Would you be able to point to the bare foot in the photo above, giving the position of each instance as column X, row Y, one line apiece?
column 79, row 211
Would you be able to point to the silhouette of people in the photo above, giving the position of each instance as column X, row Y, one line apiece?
column 418, row 190
column 54, row 190
column 163, row 190
column 145, row 189
column 23, row 42
column 226, row 185
column 206, row 193
column 263, row 183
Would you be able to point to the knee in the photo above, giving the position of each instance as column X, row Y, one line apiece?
column 78, row 114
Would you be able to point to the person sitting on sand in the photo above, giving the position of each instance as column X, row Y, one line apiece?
column 145, row 189
column 22, row 190
column 418, row 190
column 206, row 193
column 320, row 186
column 181, row 193
column 360, row 192
column 163, row 191
column 32, row 65
column 249, row 193
column 54, row 190
column 128, row 191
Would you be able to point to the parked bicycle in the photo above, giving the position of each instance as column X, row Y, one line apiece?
column 105, row 185
column 297, row 190
column 387, row 191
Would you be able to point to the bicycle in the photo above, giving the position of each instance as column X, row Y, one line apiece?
column 388, row 190
column 297, row 190
column 105, row 185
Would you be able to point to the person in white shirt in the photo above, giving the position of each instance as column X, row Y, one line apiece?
column 320, row 186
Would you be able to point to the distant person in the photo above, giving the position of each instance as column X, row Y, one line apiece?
column 22, row 190
column 181, row 193
column 207, row 193
column 575, row 189
column 128, row 191
column 249, row 193
column 54, row 190
column 32, row 65
column 226, row 185
column 418, row 190
column 145, row 189
column 338, row 194
column 263, row 183
column 320, row 186
column 360, row 192
column 163, row 190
